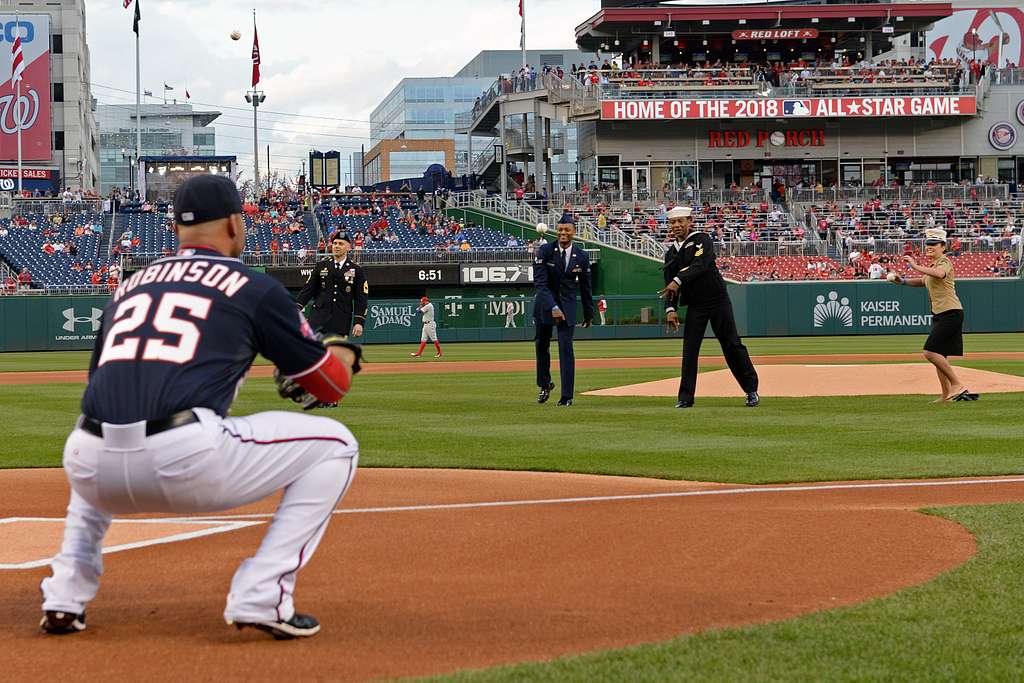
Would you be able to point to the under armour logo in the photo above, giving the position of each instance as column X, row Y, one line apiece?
column 71, row 320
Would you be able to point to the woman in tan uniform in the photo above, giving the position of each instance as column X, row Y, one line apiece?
column 946, row 337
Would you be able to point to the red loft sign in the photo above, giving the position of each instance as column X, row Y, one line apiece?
column 823, row 107
column 778, row 138
column 774, row 33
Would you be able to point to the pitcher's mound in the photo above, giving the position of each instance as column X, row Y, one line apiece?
column 828, row 380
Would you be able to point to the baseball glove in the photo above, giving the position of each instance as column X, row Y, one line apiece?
column 290, row 389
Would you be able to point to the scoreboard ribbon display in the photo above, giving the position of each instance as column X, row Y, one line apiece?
column 822, row 107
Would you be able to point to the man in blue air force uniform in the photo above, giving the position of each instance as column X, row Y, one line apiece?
column 560, row 271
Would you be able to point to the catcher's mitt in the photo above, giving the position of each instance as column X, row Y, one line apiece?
column 293, row 391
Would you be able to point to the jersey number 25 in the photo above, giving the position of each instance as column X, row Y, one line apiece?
column 133, row 312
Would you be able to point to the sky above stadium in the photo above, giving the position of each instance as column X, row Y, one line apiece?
column 335, row 59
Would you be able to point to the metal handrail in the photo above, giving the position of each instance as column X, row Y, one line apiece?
column 50, row 207
column 585, row 228
column 615, row 92
column 899, row 193
column 363, row 256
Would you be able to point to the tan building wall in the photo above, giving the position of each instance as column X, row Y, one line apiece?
column 378, row 158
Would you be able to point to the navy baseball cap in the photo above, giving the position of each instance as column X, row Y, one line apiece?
column 204, row 198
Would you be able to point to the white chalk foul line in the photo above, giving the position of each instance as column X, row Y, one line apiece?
column 645, row 496
column 234, row 522
column 185, row 536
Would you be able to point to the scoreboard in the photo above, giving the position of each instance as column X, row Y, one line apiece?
column 450, row 274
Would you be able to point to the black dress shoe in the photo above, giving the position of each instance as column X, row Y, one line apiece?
column 545, row 393
column 684, row 404
column 753, row 399
column 565, row 401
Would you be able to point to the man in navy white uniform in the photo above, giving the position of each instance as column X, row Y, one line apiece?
column 560, row 271
column 176, row 341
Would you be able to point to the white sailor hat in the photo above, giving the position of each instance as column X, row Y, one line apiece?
column 934, row 236
column 680, row 212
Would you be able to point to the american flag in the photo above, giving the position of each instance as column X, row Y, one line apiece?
column 17, row 61
column 255, row 54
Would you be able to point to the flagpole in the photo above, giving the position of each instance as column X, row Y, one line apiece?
column 19, row 118
column 522, row 38
column 138, row 103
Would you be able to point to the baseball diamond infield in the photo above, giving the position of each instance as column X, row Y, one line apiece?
column 434, row 571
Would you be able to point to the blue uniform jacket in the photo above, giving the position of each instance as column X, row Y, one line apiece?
column 557, row 286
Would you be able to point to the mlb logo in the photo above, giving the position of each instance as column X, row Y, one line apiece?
column 796, row 107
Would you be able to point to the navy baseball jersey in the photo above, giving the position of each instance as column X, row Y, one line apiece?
column 183, row 332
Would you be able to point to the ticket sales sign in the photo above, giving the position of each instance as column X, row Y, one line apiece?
column 821, row 107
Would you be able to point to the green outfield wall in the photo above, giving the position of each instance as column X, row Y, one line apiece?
column 37, row 323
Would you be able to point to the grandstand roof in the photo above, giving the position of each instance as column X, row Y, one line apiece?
column 630, row 25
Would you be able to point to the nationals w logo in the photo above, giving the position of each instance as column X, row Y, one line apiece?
column 25, row 113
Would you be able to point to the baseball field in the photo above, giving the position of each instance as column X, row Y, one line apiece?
column 846, row 529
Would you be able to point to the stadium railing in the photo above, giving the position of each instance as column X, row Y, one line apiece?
column 366, row 257
column 50, row 207
column 585, row 229
column 676, row 196
column 900, row 193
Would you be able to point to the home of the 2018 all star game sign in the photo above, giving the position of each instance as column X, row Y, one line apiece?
column 822, row 107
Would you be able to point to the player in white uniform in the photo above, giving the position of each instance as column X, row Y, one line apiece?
column 175, row 343
column 429, row 329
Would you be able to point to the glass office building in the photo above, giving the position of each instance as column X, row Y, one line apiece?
column 425, row 108
column 167, row 130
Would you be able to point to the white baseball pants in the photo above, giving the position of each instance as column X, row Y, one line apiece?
column 213, row 465
column 429, row 332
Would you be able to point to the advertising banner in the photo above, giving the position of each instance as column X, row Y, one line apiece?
column 33, row 111
column 42, row 179
column 821, row 107
column 994, row 35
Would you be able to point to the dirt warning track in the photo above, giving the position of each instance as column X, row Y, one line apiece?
column 433, row 571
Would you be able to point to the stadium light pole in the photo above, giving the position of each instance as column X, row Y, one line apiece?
column 255, row 98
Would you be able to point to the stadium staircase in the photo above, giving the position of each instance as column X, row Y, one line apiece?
column 113, row 225
column 585, row 228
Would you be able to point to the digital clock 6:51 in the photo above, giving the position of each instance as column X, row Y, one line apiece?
column 431, row 274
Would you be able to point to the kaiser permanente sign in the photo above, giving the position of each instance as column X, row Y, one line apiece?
column 824, row 107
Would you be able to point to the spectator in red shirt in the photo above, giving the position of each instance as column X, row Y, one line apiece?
column 24, row 278
column 10, row 285
column 96, row 279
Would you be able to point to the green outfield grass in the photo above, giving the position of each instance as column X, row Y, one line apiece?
column 620, row 348
column 964, row 626
column 490, row 420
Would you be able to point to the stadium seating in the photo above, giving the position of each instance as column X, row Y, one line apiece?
column 24, row 247
column 767, row 268
column 395, row 213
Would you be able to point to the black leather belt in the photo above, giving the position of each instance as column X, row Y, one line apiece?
column 185, row 417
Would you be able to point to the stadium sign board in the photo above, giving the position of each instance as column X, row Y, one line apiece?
column 821, row 107
column 774, row 33
column 34, row 108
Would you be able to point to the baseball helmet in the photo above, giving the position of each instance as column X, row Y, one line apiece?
column 424, row 300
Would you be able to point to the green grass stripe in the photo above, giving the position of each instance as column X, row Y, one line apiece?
column 621, row 348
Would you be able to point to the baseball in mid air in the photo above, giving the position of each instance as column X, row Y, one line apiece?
column 892, row 277
column 236, row 35
column 542, row 228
